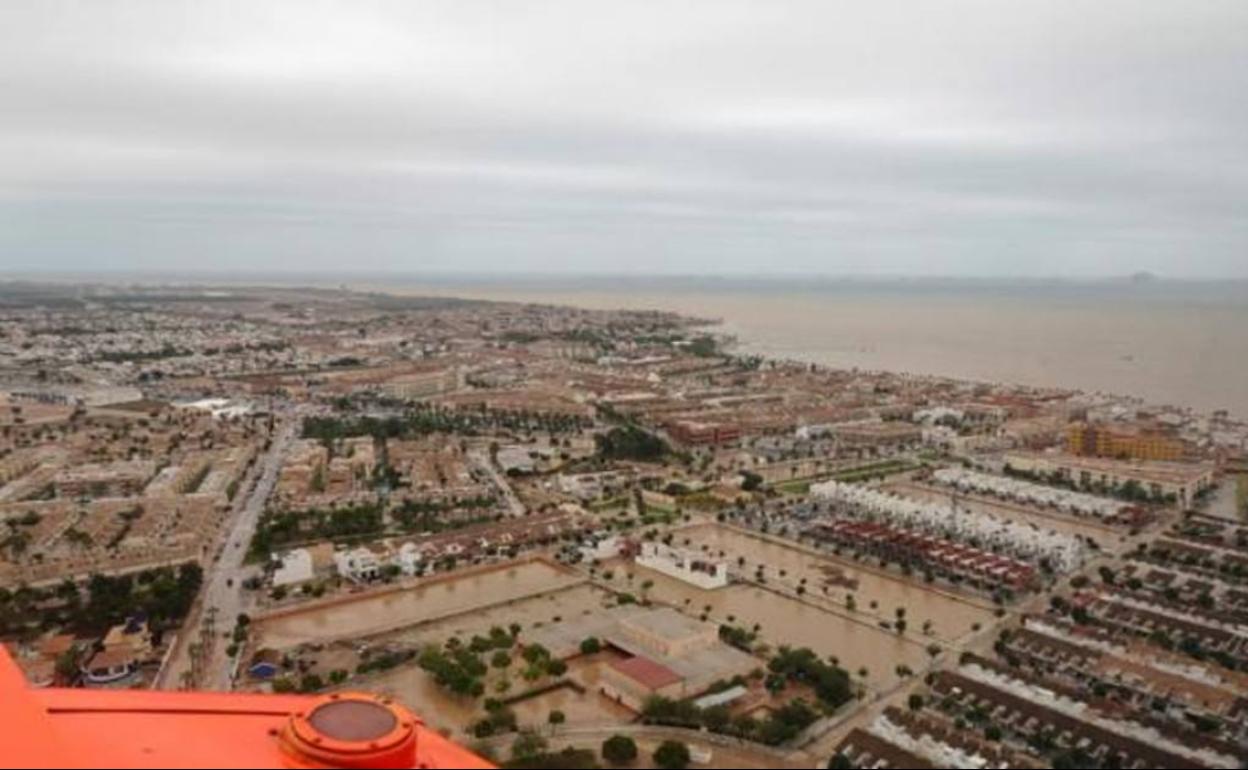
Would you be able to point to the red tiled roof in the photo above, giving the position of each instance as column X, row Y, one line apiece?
column 111, row 658
column 646, row 672
column 55, row 646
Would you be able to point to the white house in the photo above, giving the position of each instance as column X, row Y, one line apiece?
column 691, row 567
column 603, row 549
column 359, row 564
column 108, row 666
column 1028, row 542
column 409, row 559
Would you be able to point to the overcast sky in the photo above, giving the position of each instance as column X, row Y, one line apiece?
column 993, row 137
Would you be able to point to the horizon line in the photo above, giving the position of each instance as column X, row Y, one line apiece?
column 1142, row 277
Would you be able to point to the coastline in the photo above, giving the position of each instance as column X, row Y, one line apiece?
column 1181, row 353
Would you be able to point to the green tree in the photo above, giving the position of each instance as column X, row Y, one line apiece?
column 67, row 666
column 619, row 750
column 556, row 667
column 840, row 762
column 672, row 755
column 631, row 443
column 527, row 745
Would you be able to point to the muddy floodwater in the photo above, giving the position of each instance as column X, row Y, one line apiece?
column 414, row 687
column 783, row 621
column 557, row 606
column 951, row 617
column 432, row 600
column 583, row 709
column 1168, row 342
column 455, row 715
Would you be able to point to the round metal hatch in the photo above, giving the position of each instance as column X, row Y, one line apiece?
column 352, row 730
column 353, row 720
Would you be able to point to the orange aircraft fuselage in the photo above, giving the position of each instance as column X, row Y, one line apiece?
column 152, row 729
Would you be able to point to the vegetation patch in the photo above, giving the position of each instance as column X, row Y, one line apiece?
column 630, row 442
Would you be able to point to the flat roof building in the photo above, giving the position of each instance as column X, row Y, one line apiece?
column 703, row 433
column 1181, row 481
column 1123, row 442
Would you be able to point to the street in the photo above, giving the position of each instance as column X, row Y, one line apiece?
column 224, row 576
column 482, row 460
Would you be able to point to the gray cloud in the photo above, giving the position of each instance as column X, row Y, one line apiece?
column 961, row 137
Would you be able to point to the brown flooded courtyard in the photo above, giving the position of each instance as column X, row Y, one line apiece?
column 536, row 593
column 855, row 644
column 431, row 600
column 583, row 705
column 876, row 595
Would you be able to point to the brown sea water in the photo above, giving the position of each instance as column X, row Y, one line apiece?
column 1174, row 343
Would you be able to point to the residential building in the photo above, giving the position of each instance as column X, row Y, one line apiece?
column 687, row 566
column 1182, row 481
column 1087, row 439
column 693, row 432
column 634, row 680
column 359, row 564
column 109, row 666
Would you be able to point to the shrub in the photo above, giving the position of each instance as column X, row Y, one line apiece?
column 671, row 755
column 619, row 750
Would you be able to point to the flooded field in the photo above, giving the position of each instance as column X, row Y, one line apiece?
column 587, row 709
column 533, row 612
column 950, row 617
column 454, row 715
column 432, row 600
column 413, row 687
column 1045, row 520
column 785, row 621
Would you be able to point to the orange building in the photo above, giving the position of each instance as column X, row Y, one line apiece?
column 691, row 432
column 1124, row 443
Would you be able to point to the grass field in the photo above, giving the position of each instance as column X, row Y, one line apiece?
column 880, row 469
column 793, row 488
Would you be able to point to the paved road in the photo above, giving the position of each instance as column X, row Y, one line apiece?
column 482, row 460
column 224, row 577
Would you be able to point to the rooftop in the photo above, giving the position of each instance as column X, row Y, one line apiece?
column 646, row 672
column 667, row 623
